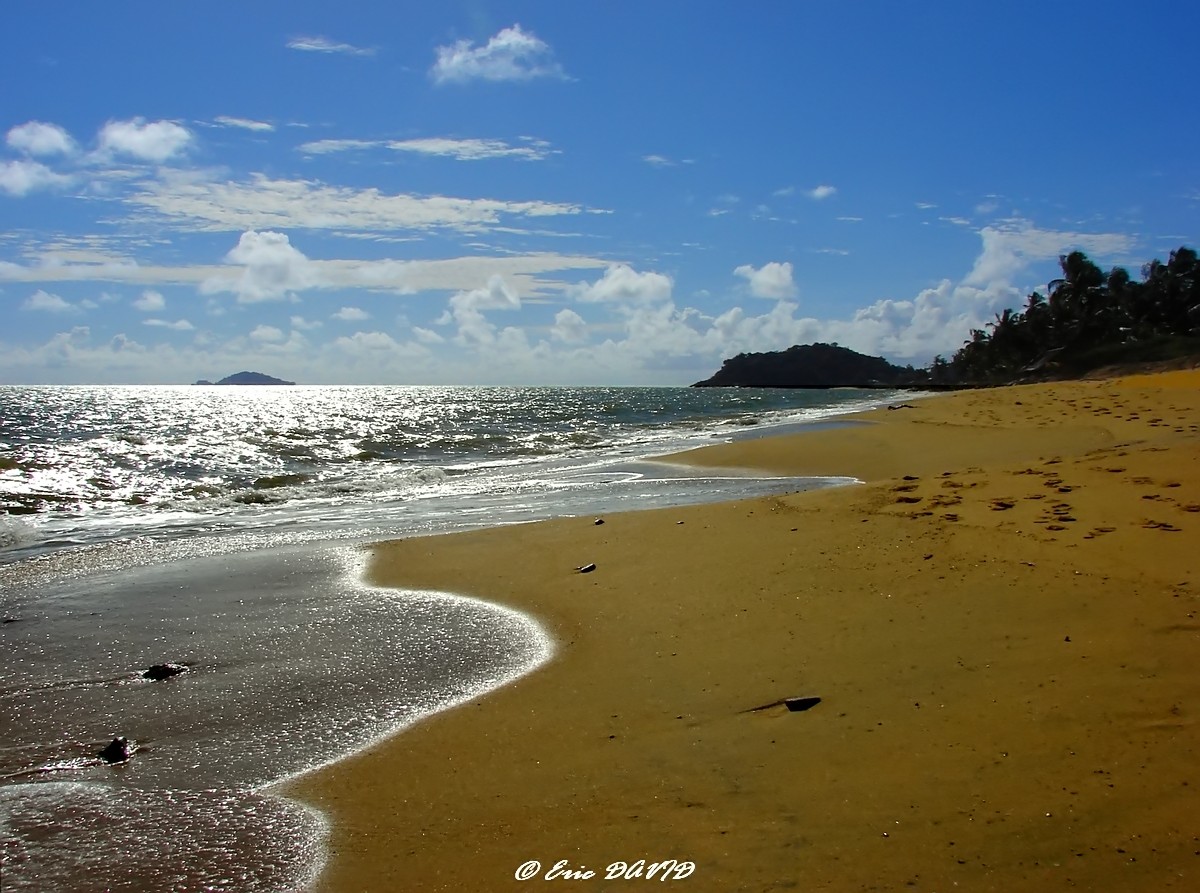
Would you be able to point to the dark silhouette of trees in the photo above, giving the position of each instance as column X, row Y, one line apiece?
column 1087, row 319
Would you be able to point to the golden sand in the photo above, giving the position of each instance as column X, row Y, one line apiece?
column 1001, row 625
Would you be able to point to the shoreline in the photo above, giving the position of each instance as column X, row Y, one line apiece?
column 998, row 623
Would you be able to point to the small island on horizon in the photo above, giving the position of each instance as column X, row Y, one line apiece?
column 246, row 378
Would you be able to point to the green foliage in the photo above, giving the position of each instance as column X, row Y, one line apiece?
column 1089, row 319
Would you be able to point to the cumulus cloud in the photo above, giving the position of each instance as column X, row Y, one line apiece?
column 271, row 269
column 22, row 177
column 569, row 326
column 510, row 55
column 822, row 192
column 267, row 334
column 154, row 141
column 40, row 138
column 352, row 314
column 1010, row 246
column 622, row 284
column 466, row 310
column 180, row 325
column 771, row 280
column 48, row 303
column 496, row 295
column 304, row 325
column 427, row 336
column 149, row 301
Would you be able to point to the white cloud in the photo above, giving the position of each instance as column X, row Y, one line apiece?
column 569, row 327
column 40, row 138
column 658, row 160
column 474, row 149
column 304, row 325
column 466, row 310
column 267, row 334
column 22, row 177
column 289, row 204
column 772, row 280
column 496, row 295
column 1010, row 246
column 154, row 141
column 458, row 149
column 784, row 192
column 271, row 269
column 822, row 192
column 510, row 55
column 48, row 303
column 150, row 301
column 244, row 123
column 180, row 325
column 351, row 314
column 320, row 44
column 622, row 284
column 326, row 147
column 427, row 336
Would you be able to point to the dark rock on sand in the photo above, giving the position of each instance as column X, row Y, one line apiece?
column 586, row 569
column 795, row 705
column 117, row 751
column 164, row 671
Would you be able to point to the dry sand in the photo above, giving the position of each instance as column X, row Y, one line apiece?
column 1001, row 625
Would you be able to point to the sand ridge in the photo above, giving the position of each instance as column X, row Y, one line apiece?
column 1001, row 624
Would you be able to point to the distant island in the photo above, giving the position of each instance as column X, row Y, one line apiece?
column 247, row 378
column 813, row 366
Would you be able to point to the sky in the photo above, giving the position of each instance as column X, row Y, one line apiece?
column 566, row 193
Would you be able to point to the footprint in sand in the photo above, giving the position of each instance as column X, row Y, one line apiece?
column 1160, row 525
column 945, row 501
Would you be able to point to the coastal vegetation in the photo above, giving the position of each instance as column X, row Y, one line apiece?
column 1088, row 319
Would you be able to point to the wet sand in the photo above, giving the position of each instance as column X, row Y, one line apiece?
column 1000, row 623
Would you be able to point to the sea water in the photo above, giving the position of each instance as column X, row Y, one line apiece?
column 221, row 528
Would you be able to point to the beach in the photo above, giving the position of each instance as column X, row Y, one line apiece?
column 999, row 622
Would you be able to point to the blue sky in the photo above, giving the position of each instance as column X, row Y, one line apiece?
column 566, row 192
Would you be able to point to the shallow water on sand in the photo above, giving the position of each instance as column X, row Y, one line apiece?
column 277, row 682
column 240, row 559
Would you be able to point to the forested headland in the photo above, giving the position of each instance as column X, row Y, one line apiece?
column 1087, row 320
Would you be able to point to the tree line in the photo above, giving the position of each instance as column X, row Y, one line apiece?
column 1087, row 319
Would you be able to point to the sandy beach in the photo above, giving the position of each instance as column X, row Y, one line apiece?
column 1000, row 624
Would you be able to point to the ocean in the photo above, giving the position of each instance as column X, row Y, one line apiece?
column 221, row 529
